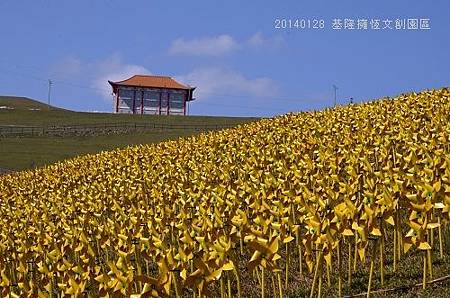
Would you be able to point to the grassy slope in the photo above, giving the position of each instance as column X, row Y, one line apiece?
column 23, row 153
column 22, row 103
column 22, row 115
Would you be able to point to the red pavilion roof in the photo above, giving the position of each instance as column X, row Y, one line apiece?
column 151, row 82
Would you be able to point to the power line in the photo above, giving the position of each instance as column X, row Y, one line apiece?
column 231, row 105
column 293, row 100
column 79, row 85
column 49, row 91
column 39, row 78
column 335, row 94
column 24, row 75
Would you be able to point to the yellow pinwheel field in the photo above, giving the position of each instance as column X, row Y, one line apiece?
column 318, row 193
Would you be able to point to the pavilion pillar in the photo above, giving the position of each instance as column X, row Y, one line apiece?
column 160, row 98
column 168, row 103
column 184, row 102
column 142, row 102
column 134, row 100
column 117, row 100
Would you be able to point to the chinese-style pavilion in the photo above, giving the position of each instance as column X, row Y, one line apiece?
column 157, row 95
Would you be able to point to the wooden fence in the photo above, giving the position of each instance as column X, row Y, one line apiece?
column 101, row 129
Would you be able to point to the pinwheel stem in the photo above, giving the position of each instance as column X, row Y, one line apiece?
column 136, row 288
column 395, row 251
column 31, row 276
column 349, row 263
column 393, row 155
column 372, row 263
column 11, row 270
column 319, row 291
column 328, row 276
column 77, row 257
column 430, row 264
column 229, row 287
column 441, row 246
column 424, row 276
column 192, row 270
column 316, row 274
column 431, row 237
column 222, row 288
column 399, row 235
column 300, row 259
column 382, row 261
column 258, row 277
column 262, row 283
column 241, row 245
column 382, row 252
column 54, row 292
column 175, row 283
column 274, row 288
column 106, row 255
column 280, row 288
column 139, row 269
column 339, row 269
column 355, row 262
column 286, row 278
column 432, row 230
column 238, row 281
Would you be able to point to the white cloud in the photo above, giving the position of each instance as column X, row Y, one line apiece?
column 209, row 46
column 258, row 40
column 221, row 44
column 212, row 82
column 96, row 74
column 113, row 69
column 67, row 68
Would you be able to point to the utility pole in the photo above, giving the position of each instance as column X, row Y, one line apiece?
column 335, row 93
column 50, row 83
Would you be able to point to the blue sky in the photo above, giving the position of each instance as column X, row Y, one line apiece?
column 231, row 50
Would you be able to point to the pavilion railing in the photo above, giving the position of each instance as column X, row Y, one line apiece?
column 101, row 129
